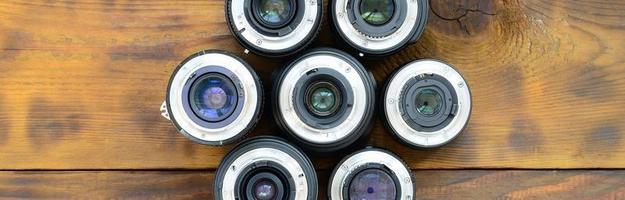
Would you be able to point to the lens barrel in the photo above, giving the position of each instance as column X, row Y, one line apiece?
column 426, row 103
column 266, row 168
column 379, row 27
column 324, row 100
column 214, row 98
column 371, row 173
column 274, row 28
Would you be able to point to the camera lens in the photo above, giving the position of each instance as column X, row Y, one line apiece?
column 324, row 100
column 274, row 27
column 427, row 103
column 379, row 27
column 213, row 98
column 266, row 168
column 371, row 173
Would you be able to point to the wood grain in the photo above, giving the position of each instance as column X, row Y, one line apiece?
column 81, row 83
column 431, row 184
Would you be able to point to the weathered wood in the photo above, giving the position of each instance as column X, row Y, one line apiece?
column 81, row 82
column 431, row 184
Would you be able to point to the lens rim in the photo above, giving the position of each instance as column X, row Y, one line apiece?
column 413, row 134
column 261, row 152
column 285, row 40
column 347, row 71
column 353, row 163
column 378, row 166
column 257, row 15
column 238, row 124
column 366, row 39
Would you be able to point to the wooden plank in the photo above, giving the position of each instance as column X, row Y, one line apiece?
column 81, row 82
column 431, row 184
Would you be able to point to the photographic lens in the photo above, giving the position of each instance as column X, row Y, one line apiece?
column 324, row 100
column 274, row 28
column 379, row 27
column 372, row 184
column 265, row 190
column 213, row 98
column 371, row 173
column 274, row 12
column 266, row 168
column 377, row 12
column 427, row 103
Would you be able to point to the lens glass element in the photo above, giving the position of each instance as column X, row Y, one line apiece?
column 275, row 12
column 213, row 97
column 372, row 184
column 377, row 12
column 428, row 102
column 322, row 98
column 264, row 189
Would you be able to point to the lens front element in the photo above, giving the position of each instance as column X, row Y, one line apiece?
column 372, row 184
column 428, row 102
column 213, row 97
column 323, row 98
column 274, row 12
column 377, row 12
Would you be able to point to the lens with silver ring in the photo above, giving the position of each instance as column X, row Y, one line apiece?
column 324, row 100
column 379, row 27
column 274, row 27
column 266, row 168
column 371, row 173
column 426, row 103
column 213, row 98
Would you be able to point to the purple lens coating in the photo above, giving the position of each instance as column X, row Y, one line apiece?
column 215, row 97
column 372, row 184
column 264, row 190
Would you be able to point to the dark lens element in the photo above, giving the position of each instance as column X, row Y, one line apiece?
column 213, row 97
column 377, row 12
column 275, row 12
column 372, row 184
column 322, row 98
column 264, row 190
column 428, row 102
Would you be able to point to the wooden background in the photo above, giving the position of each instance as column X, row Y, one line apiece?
column 81, row 83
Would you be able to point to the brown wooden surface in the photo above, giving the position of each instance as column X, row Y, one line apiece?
column 432, row 184
column 81, row 83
